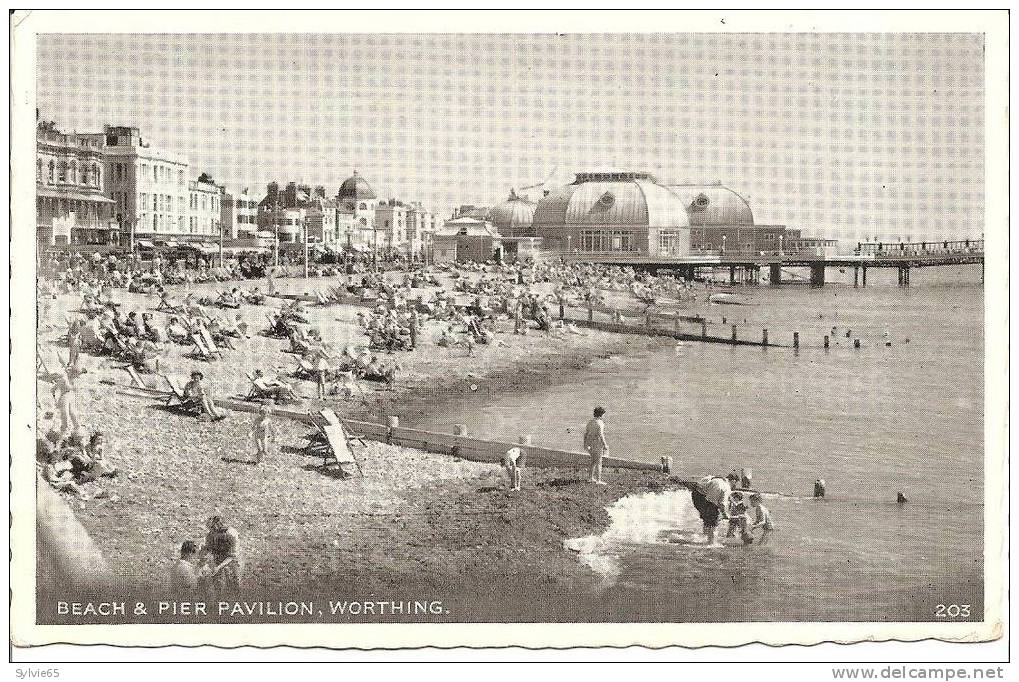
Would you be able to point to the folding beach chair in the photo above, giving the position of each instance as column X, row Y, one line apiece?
column 210, row 343
column 331, row 444
column 321, row 298
column 176, row 393
column 136, row 378
column 203, row 350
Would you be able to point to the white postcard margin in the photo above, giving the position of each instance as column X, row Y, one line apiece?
column 25, row 25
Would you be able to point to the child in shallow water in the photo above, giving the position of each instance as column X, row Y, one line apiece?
column 761, row 518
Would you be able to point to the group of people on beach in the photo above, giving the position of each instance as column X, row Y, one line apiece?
column 212, row 570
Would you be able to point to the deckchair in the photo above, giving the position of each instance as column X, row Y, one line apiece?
column 203, row 350
column 135, row 377
column 177, row 394
column 321, row 298
column 332, row 445
column 261, row 391
column 210, row 343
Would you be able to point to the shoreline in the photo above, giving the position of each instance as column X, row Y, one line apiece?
column 412, row 522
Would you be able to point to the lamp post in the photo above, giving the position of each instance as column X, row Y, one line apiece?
column 304, row 226
column 375, row 247
column 220, row 222
column 277, row 207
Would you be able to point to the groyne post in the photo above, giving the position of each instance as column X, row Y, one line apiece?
column 775, row 274
column 826, row 342
column 704, row 329
column 733, row 332
column 796, row 340
column 392, row 422
column 817, row 275
column 764, row 337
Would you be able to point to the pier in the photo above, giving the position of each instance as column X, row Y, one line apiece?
column 745, row 268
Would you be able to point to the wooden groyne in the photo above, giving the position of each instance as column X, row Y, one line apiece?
column 458, row 444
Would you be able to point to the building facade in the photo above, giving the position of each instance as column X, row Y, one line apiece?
column 239, row 214
column 357, row 198
column 71, row 206
column 391, row 225
column 149, row 187
column 204, row 208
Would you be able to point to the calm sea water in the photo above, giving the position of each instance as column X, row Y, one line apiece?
column 871, row 422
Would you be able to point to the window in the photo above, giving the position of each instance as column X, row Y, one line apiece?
column 97, row 176
column 38, row 170
column 155, row 223
column 49, row 175
column 155, row 173
column 180, row 178
column 363, row 206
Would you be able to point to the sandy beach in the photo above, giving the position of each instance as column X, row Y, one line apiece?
column 412, row 522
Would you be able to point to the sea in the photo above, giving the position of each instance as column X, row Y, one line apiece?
column 902, row 413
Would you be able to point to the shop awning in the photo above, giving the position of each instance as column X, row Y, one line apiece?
column 71, row 195
column 144, row 244
column 172, row 244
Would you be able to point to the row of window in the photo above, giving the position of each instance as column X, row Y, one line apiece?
column 207, row 202
column 607, row 240
column 85, row 174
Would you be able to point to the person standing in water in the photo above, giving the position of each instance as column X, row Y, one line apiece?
column 710, row 496
column 595, row 444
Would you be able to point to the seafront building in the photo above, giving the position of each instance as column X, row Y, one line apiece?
column 238, row 214
column 357, row 199
column 149, row 187
column 613, row 212
column 71, row 206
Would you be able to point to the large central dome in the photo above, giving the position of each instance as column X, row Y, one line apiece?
column 612, row 198
column 614, row 210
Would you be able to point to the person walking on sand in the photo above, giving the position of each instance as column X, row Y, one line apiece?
column 261, row 432
column 595, row 444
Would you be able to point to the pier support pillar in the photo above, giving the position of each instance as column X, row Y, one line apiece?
column 817, row 275
column 732, row 274
column 775, row 275
column 864, row 276
column 856, row 277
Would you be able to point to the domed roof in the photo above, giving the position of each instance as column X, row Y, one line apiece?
column 632, row 200
column 356, row 187
column 714, row 205
column 515, row 212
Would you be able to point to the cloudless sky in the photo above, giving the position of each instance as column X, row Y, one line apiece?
column 852, row 136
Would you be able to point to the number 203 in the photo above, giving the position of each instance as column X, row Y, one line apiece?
column 952, row 611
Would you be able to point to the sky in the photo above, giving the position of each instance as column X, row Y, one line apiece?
column 851, row 136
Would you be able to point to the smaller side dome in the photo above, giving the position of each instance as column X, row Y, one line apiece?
column 514, row 214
